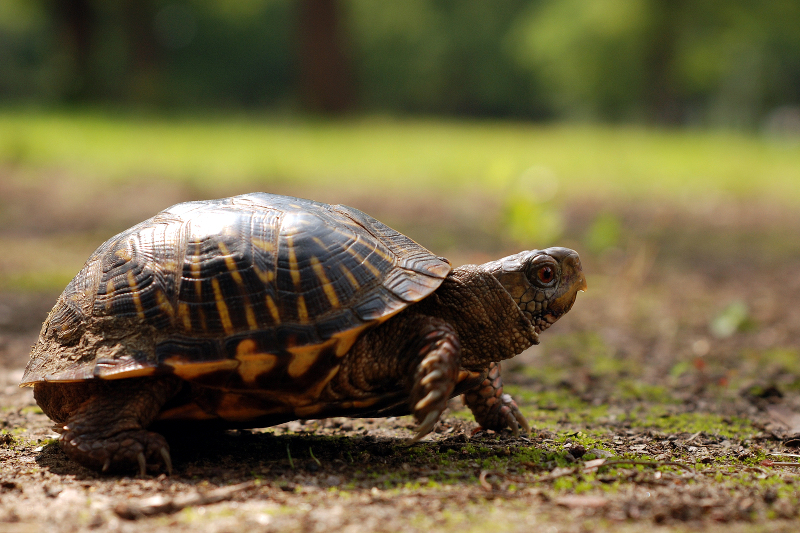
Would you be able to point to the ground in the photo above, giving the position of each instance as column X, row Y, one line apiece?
column 668, row 399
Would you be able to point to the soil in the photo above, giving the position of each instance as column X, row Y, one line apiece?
column 667, row 399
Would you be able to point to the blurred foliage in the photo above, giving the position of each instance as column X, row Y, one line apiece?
column 669, row 60
column 545, row 163
column 673, row 61
column 734, row 317
column 528, row 221
column 529, row 214
column 604, row 233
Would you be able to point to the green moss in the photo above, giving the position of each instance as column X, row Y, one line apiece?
column 658, row 418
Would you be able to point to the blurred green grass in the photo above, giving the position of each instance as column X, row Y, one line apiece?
column 378, row 153
column 531, row 171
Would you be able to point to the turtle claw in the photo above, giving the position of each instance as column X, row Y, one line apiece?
column 167, row 460
column 526, row 428
column 127, row 450
column 142, row 464
column 431, row 398
column 427, row 425
column 435, row 379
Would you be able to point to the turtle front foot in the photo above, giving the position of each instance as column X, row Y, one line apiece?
column 123, row 451
column 435, row 378
column 492, row 408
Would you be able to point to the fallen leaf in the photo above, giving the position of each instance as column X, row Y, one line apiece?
column 783, row 418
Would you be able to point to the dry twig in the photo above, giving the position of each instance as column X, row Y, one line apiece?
column 162, row 505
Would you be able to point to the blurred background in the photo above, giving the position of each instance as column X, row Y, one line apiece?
column 653, row 61
column 659, row 138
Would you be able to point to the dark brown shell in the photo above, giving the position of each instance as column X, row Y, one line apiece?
column 255, row 292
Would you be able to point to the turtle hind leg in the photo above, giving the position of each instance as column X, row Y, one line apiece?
column 493, row 409
column 439, row 355
column 106, row 432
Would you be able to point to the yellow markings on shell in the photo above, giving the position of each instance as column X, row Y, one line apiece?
column 350, row 277
column 263, row 245
column 124, row 254
column 384, row 255
column 191, row 369
column 273, row 309
column 246, row 348
column 293, row 270
column 231, row 264
column 222, row 308
column 265, row 276
column 347, row 339
column 198, row 282
column 237, row 277
column 305, row 356
column 134, row 373
column 137, row 301
column 372, row 268
column 362, row 260
column 253, row 364
column 195, row 268
column 109, row 292
column 302, row 311
column 198, row 288
column 183, row 313
column 164, row 305
column 250, row 315
column 330, row 292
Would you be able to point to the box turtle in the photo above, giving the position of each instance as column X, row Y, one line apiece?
column 259, row 309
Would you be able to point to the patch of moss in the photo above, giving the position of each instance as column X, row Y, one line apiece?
column 659, row 418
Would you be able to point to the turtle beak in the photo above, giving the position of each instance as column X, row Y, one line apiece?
column 571, row 271
column 582, row 286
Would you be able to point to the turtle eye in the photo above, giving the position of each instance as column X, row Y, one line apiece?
column 546, row 275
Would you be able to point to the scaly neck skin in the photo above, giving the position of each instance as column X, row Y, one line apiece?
column 490, row 325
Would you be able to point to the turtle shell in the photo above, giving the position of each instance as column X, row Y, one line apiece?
column 257, row 292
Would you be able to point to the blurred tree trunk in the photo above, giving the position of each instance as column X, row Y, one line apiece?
column 325, row 73
column 661, row 95
column 76, row 22
column 144, row 52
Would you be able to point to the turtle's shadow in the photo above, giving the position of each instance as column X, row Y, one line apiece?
column 225, row 457
column 236, row 454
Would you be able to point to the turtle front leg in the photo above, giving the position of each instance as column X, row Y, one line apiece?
column 493, row 409
column 439, row 355
column 107, row 430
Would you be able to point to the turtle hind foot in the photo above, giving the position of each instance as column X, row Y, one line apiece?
column 106, row 431
column 123, row 451
column 435, row 378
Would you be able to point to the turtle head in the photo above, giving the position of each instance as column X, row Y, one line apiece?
column 543, row 283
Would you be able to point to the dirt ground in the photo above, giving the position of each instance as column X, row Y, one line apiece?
column 667, row 399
